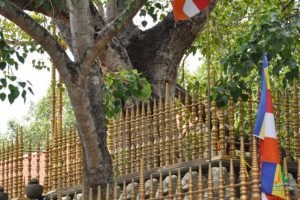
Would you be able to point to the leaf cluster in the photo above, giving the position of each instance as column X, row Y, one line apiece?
column 123, row 87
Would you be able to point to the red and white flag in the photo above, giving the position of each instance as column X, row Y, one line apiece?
column 184, row 9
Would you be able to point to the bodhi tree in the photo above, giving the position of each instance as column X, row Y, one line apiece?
column 102, row 38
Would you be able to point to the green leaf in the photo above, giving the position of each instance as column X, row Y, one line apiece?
column 2, row 96
column 143, row 13
column 24, row 95
column 2, row 65
column 22, row 84
column 144, row 23
column 14, row 93
column 3, row 82
column 30, row 90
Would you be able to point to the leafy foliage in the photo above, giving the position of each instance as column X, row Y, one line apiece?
column 239, row 33
column 122, row 87
column 10, row 86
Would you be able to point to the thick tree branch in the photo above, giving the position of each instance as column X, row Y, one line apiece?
column 158, row 51
column 81, row 26
column 58, row 9
column 107, row 33
column 41, row 35
column 114, row 8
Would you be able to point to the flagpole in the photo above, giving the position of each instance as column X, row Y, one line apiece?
column 208, row 85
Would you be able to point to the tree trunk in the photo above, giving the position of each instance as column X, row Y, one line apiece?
column 88, row 109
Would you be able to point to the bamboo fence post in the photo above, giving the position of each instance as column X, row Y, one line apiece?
column 168, row 126
column 296, row 120
column 231, row 128
column 287, row 125
column 256, row 194
column 200, row 125
column 180, row 131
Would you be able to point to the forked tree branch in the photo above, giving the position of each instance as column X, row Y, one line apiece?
column 105, row 35
column 40, row 34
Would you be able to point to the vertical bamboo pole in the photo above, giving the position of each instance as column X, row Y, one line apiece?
column 99, row 195
column 256, row 194
column 243, row 176
column 110, row 143
column 65, row 158
column 161, row 133
column 59, row 132
column 160, row 188
column 3, row 165
column 222, row 131
column 287, row 126
column 115, row 197
column 90, row 194
column 195, row 141
column 207, row 131
column 174, row 133
column 133, row 140
column 187, row 127
column 107, row 196
column 29, row 160
column 155, row 135
column 20, row 158
column 190, row 185
column 80, row 161
column 127, row 142
column 124, row 193
column 46, row 179
column 298, row 178
column 151, row 192
column 116, row 148
column 231, row 128
column 55, row 156
column 221, row 182
column 59, row 192
column 132, row 192
column 179, row 195
column 142, row 181
column 286, row 187
column 200, row 184
column 241, row 118
column 180, row 131
column 250, row 124
column 16, row 158
column 149, row 138
column 144, row 142
column 122, row 143
column 168, row 127
column 73, row 156
column 53, row 119
column 214, row 131
column 7, row 167
column 296, row 120
column 200, row 124
column 210, row 183
column 138, row 137
column 170, row 187
column 38, row 158
column 11, row 181
column 232, row 181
